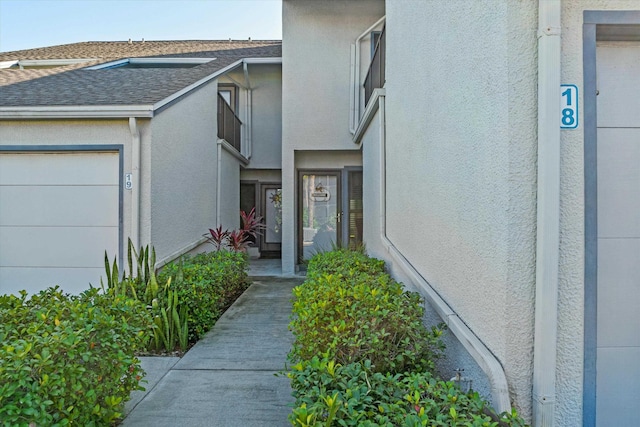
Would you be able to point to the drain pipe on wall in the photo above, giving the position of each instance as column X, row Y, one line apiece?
column 548, row 217
column 354, row 96
column 248, row 112
column 480, row 353
column 135, row 190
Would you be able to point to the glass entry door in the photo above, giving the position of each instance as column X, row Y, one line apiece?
column 320, row 212
column 271, row 241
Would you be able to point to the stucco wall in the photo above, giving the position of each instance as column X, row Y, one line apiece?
column 317, row 38
column 183, row 167
column 229, row 191
column 461, row 144
column 266, row 120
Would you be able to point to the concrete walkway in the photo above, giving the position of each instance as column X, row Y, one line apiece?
column 227, row 379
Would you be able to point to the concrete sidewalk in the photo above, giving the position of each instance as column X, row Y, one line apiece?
column 227, row 379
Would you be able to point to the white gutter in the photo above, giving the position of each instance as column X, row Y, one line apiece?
column 356, row 84
column 136, row 178
column 77, row 111
column 480, row 353
column 548, row 218
column 248, row 113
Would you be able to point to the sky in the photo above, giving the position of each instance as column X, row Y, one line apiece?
column 26, row 24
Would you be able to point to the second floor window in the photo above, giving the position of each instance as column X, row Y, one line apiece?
column 230, row 94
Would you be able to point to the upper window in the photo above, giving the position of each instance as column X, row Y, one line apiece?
column 230, row 94
column 153, row 63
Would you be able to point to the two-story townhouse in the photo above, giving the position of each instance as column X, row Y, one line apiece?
column 105, row 141
column 501, row 176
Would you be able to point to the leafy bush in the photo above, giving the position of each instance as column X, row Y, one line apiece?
column 362, row 316
column 207, row 283
column 345, row 262
column 68, row 360
column 353, row 395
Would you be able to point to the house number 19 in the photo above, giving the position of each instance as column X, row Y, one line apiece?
column 569, row 107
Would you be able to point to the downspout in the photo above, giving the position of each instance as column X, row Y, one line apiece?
column 248, row 112
column 548, row 217
column 219, row 183
column 354, row 96
column 480, row 353
column 135, row 176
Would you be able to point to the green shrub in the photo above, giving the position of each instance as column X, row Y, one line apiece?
column 68, row 360
column 360, row 317
column 353, row 395
column 207, row 283
column 345, row 262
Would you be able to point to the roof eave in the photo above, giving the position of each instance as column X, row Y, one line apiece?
column 76, row 111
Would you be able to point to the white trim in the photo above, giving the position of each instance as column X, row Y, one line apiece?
column 174, row 255
column 367, row 116
column 76, row 111
column 44, row 62
column 119, row 62
column 8, row 64
column 273, row 60
column 229, row 148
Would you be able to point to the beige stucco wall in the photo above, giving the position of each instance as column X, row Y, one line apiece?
column 461, row 120
column 266, row 119
column 182, row 150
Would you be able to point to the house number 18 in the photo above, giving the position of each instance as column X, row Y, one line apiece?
column 569, row 107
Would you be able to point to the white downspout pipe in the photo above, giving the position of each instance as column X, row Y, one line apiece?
column 219, row 183
column 548, row 218
column 248, row 112
column 136, row 178
column 481, row 354
column 356, row 84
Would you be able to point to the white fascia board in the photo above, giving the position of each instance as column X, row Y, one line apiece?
column 170, row 60
column 53, row 62
column 8, row 64
column 229, row 148
column 263, row 60
column 110, row 64
column 76, row 111
column 195, row 85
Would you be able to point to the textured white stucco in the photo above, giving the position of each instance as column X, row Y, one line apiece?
column 461, row 139
column 183, row 164
column 229, row 191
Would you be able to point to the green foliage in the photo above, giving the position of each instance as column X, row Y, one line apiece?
column 345, row 262
column 207, row 284
column 170, row 320
column 359, row 314
column 68, row 360
column 353, row 395
column 376, row 356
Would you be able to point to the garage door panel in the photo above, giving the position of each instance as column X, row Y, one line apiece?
column 618, row 370
column 59, row 169
column 618, row 292
column 618, row 182
column 61, row 206
column 71, row 280
column 619, row 99
column 56, row 246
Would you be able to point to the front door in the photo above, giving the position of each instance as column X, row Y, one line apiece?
column 320, row 212
column 271, row 242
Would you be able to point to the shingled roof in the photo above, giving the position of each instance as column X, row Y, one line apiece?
column 75, row 85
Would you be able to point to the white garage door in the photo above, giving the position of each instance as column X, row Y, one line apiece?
column 618, row 174
column 58, row 214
